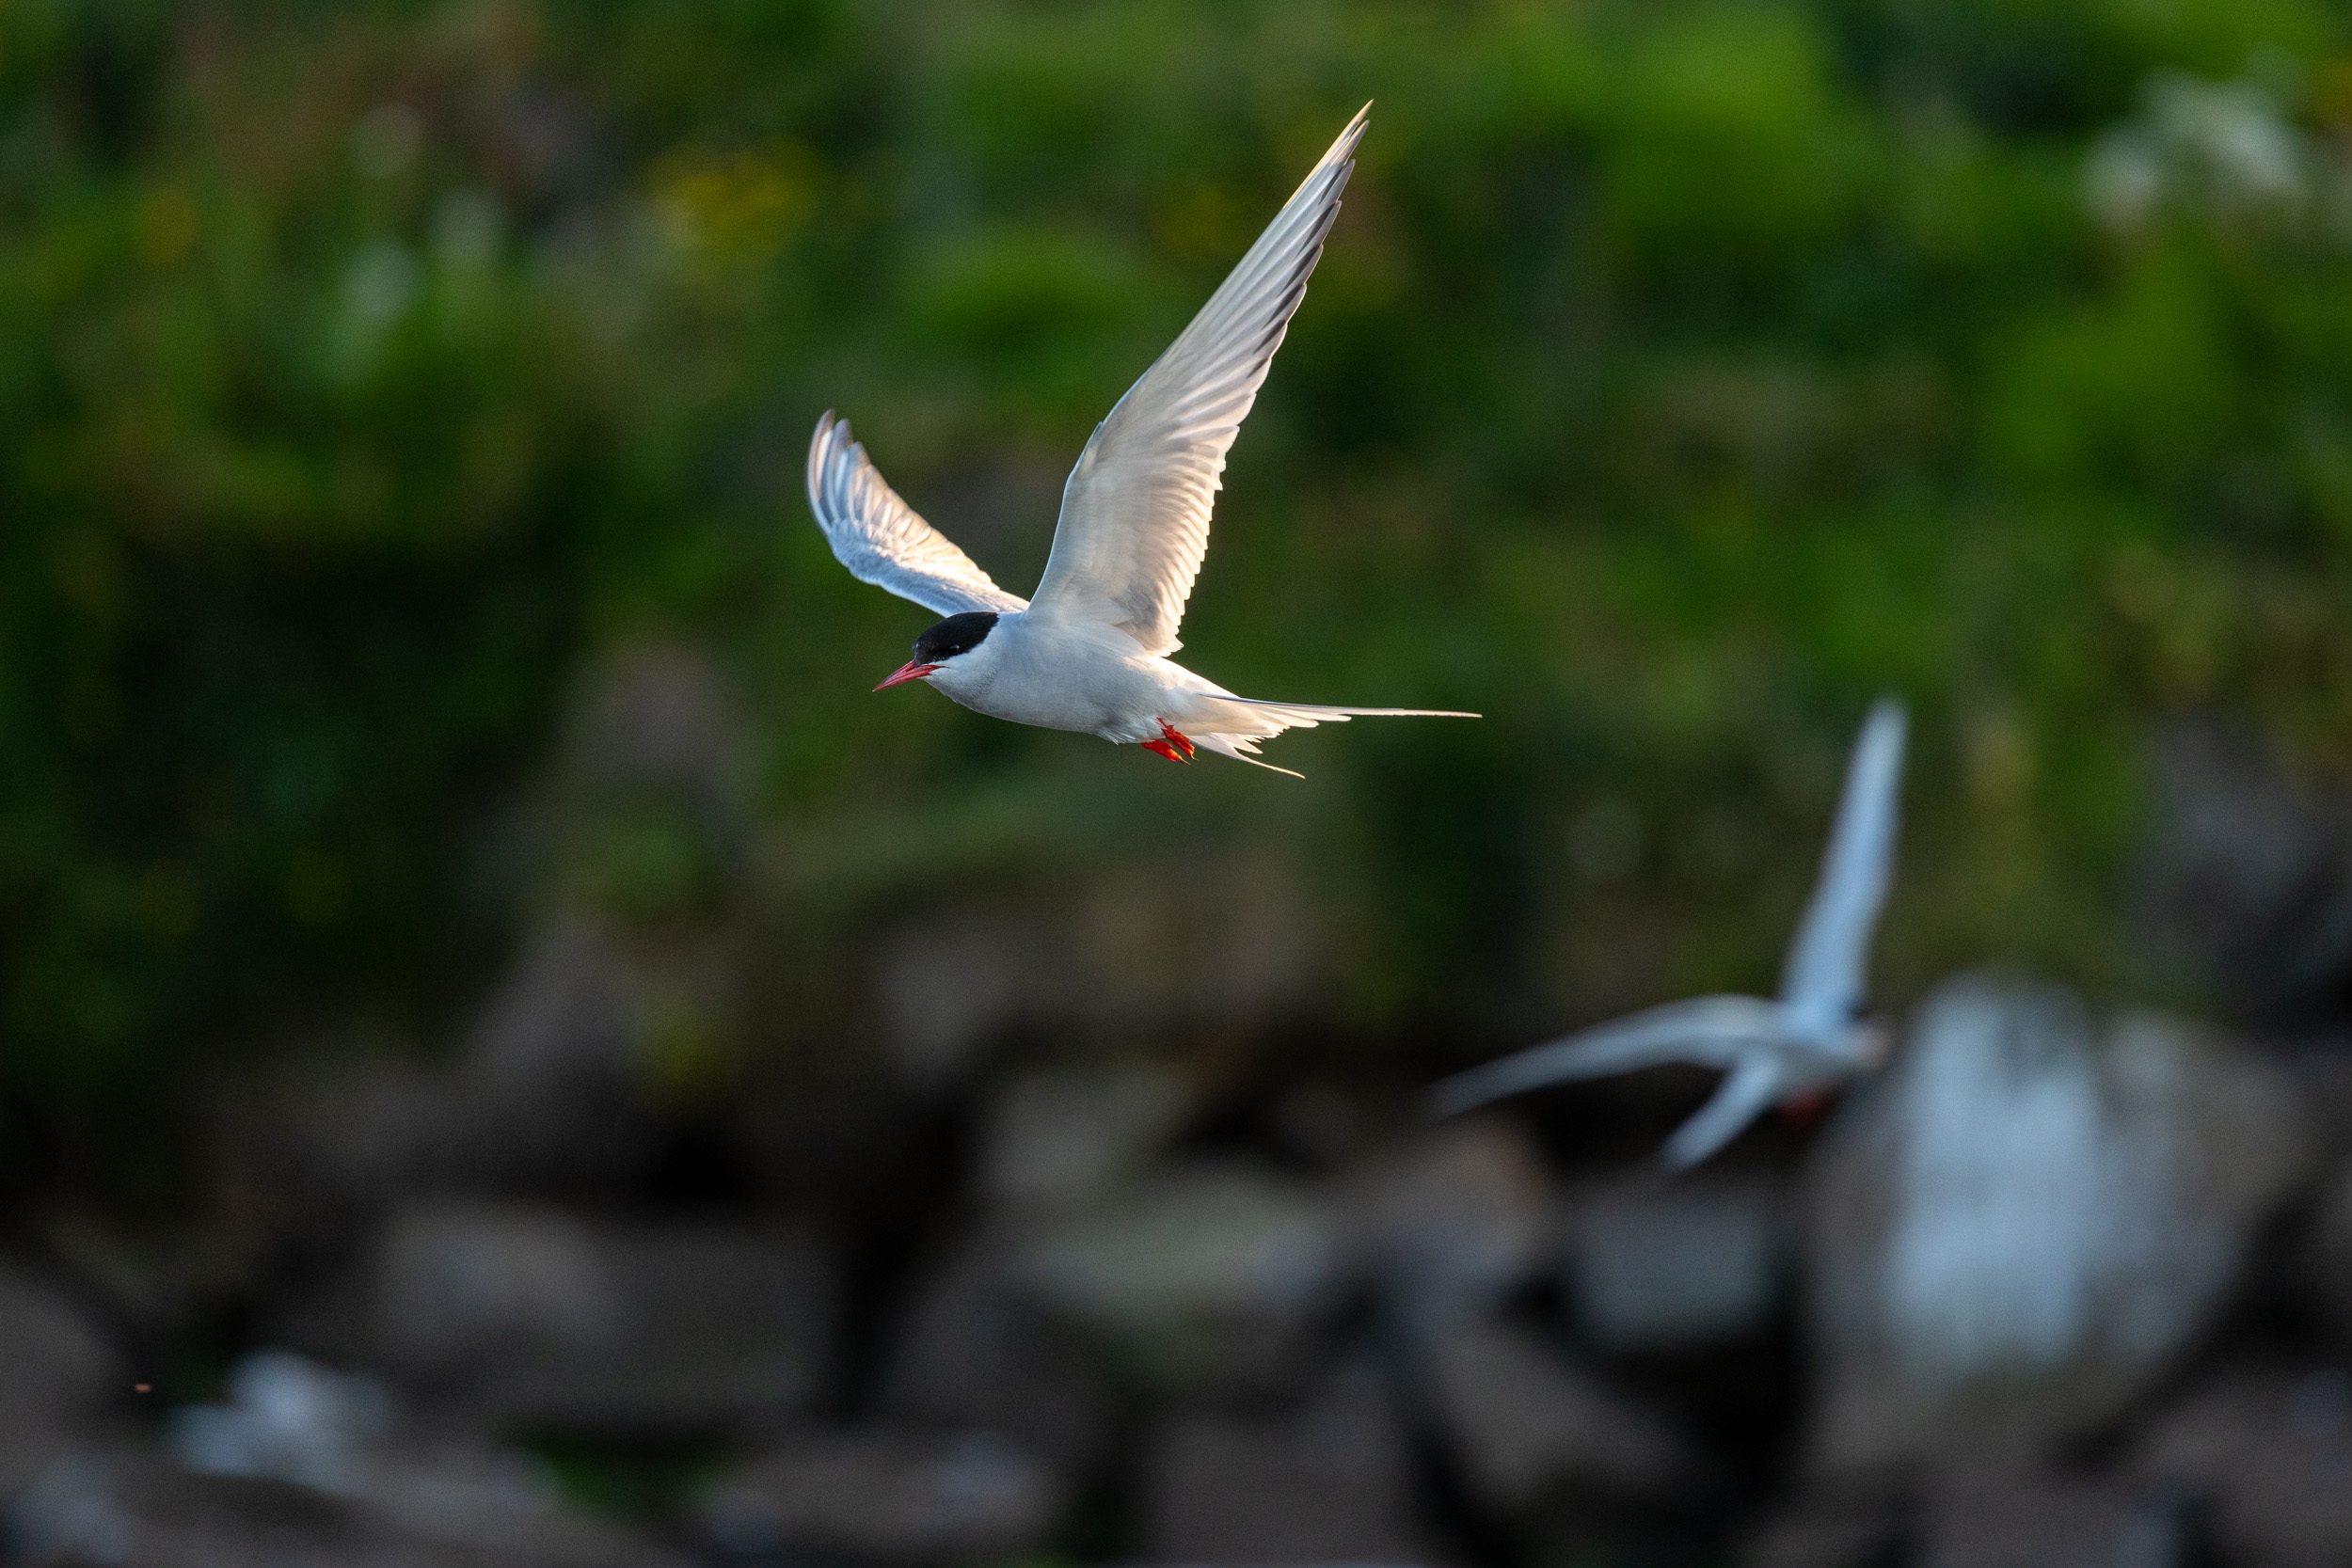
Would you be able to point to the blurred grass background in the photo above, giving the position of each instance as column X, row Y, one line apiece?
column 1678, row 376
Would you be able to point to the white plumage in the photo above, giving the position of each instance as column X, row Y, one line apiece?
column 1089, row 653
column 1770, row 1050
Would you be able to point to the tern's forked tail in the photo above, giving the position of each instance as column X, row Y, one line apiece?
column 1300, row 716
column 1232, row 726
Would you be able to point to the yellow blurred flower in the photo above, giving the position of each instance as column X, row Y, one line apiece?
column 737, row 206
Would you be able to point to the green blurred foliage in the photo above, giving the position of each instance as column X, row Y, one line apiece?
column 1678, row 376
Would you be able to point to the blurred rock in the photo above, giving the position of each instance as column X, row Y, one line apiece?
column 527, row 1316
column 975, row 1354
column 619, row 1001
column 1327, row 1480
column 1454, row 1218
column 2328, row 1255
column 2043, row 1522
column 1658, row 1267
column 2026, row 1221
column 948, row 991
column 57, row 1374
column 1213, row 1276
column 1057, row 1140
column 1233, row 944
column 1321, row 1123
column 498, row 1506
column 2321, row 1066
column 132, row 1510
column 622, row 1003
column 552, row 1095
column 1828, row 1532
column 289, row 1420
column 286, row 1417
column 337, row 1125
column 887, row 1497
column 1524, row 1427
column 2248, row 877
column 2269, row 1457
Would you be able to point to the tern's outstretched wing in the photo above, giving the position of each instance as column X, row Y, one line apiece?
column 1746, row 1093
column 1708, row 1030
column 882, row 540
column 1135, row 513
column 1822, row 982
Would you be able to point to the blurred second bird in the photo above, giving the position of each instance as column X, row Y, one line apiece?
column 1771, row 1050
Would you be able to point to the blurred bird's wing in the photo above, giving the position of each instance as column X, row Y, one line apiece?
column 1822, row 983
column 1134, row 512
column 1710, row 1030
column 882, row 540
column 1746, row 1093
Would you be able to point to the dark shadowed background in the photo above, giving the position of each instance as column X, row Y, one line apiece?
column 509, row 1052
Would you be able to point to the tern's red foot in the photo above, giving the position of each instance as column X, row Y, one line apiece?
column 1165, row 749
column 1175, row 738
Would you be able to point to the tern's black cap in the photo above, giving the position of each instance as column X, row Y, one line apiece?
column 957, row 634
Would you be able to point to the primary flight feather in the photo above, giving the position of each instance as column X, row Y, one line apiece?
column 1089, row 653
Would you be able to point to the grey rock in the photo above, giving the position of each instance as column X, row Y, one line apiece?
column 2328, row 1255
column 1060, row 1139
column 1454, row 1218
column 947, row 991
column 336, row 1127
column 1322, row 1123
column 552, row 1092
column 1329, row 1480
column 1828, row 1532
column 489, row 1503
column 887, row 1497
column 975, row 1354
column 1214, row 1276
column 2030, row 1220
column 127, row 1509
column 131, row 1511
column 625, row 996
column 57, row 1374
column 2247, row 876
column 2268, row 1456
column 1658, row 1267
column 2023, row 1521
column 527, row 1316
column 1235, row 943
column 2321, row 1066
column 1525, row 1428
column 287, row 1417
column 291, row 1419
column 147, row 1279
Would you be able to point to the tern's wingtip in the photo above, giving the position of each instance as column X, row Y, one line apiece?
column 1455, row 1095
column 1353, row 132
column 1680, row 1153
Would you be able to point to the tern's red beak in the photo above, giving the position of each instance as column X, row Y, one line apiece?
column 913, row 669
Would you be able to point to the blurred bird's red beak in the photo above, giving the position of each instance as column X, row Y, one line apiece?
column 913, row 669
